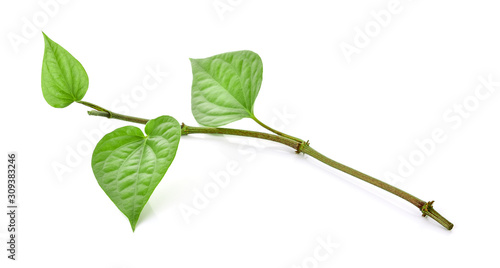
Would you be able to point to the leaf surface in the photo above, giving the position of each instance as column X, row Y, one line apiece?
column 128, row 165
column 64, row 79
column 225, row 87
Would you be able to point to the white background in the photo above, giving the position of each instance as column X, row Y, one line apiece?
column 366, row 113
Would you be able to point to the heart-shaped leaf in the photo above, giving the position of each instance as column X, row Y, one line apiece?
column 128, row 165
column 225, row 87
column 63, row 78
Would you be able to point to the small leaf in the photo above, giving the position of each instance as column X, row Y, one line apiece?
column 128, row 165
column 63, row 78
column 225, row 87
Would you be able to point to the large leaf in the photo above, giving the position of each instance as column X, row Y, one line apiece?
column 128, row 165
column 63, row 78
column 225, row 87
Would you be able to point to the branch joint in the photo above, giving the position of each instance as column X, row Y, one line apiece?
column 301, row 145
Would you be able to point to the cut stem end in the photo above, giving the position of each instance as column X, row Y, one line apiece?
column 428, row 210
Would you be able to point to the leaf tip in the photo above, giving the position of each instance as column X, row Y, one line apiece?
column 133, row 222
column 46, row 38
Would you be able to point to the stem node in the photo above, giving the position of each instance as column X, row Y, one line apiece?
column 184, row 129
column 301, row 145
column 428, row 210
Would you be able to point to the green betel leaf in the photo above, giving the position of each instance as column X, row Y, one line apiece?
column 128, row 165
column 225, row 87
column 63, row 78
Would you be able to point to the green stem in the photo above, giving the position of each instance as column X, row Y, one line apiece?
column 107, row 113
column 119, row 117
column 362, row 176
column 93, row 106
column 239, row 132
column 207, row 130
column 274, row 130
column 300, row 146
column 425, row 207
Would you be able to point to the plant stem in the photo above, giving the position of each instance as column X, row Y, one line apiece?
column 425, row 207
column 122, row 117
column 208, row 130
column 239, row 132
column 93, row 106
column 406, row 196
column 274, row 130
column 301, row 147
